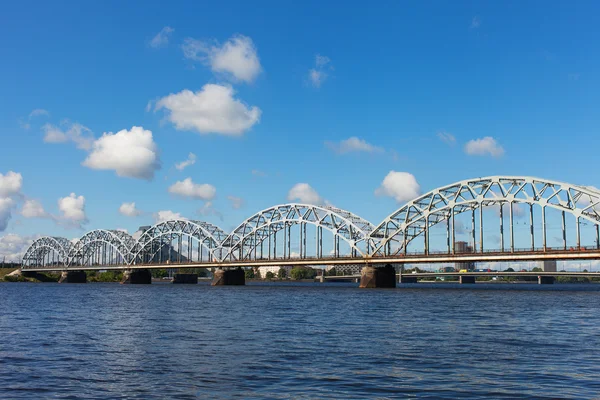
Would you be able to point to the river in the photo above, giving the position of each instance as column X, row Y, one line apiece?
column 300, row 341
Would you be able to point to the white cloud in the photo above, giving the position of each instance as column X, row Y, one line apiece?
column 13, row 247
column 129, row 210
column 72, row 208
column 236, row 58
column 167, row 215
column 236, row 202
column 304, row 193
column 213, row 109
column 10, row 184
column 318, row 74
column 321, row 60
column 402, row 186
column 74, row 132
column 191, row 160
column 38, row 112
column 130, row 153
column 446, row 137
column 484, row 146
column 353, row 144
column 187, row 188
column 475, row 22
column 33, row 209
column 162, row 38
column 316, row 77
column 207, row 209
column 6, row 206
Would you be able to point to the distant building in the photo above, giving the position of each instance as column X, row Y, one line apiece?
column 461, row 248
column 275, row 270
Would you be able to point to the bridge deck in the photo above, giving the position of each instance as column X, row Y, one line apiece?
column 558, row 255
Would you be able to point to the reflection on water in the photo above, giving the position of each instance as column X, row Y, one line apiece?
column 299, row 341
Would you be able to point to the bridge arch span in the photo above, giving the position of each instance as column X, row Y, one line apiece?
column 48, row 250
column 102, row 247
column 245, row 240
column 416, row 217
column 159, row 238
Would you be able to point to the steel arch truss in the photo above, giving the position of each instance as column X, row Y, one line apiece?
column 416, row 217
column 41, row 248
column 156, row 238
column 117, row 243
column 245, row 239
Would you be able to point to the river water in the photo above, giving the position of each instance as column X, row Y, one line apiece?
column 300, row 341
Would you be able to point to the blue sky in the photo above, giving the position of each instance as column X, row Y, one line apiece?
column 412, row 83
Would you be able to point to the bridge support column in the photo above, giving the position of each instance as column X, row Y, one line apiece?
column 137, row 277
column 229, row 277
column 378, row 277
column 186, row 278
column 73, row 277
column 546, row 280
column 466, row 279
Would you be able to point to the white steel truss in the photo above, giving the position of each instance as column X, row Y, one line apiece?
column 113, row 244
column 245, row 240
column 417, row 217
column 42, row 249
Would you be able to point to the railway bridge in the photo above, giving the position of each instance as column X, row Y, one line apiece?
column 507, row 219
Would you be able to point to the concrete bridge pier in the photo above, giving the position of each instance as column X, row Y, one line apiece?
column 191, row 279
column 73, row 277
column 229, row 277
column 378, row 277
column 466, row 279
column 137, row 277
column 546, row 280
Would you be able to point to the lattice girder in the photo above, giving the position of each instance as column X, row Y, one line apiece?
column 249, row 234
column 409, row 221
column 120, row 241
column 42, row 246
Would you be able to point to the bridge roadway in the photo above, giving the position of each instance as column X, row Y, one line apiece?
column 419, row 258
column 479, row 274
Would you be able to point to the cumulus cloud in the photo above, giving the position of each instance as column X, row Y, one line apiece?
column 39, row 112
column 129, row 210
column 162, row 38
column 10, row 184
column 237, row 58
column 33, row 209
column 213, row 109
column 130, row 153
column 187, row 188
column 208, row 209
column 318, row 74
column 402, row 186
column 72, row 208
column 71, row 132
column 191, row 160
column 446, row 137
column 6, row 206
column 484, row 146
column 304, row 193
column 13, row 246
column 353, row 144
column 236, row 202
column 167, row 215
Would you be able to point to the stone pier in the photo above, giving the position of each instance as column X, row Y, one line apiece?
column 137, row 276
column 546, row 280
column 466, row 279
column 229, row 277
column 73, row 277
column 378, row 277
column 186, row 278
